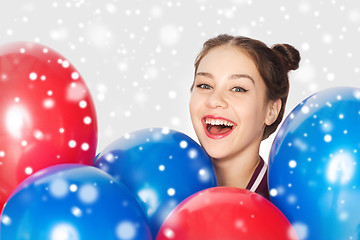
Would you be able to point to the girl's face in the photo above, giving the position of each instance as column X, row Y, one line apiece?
column 228, row 104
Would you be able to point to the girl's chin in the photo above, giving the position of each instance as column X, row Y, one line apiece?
column 216, row 155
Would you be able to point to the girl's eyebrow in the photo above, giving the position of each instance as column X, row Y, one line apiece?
column 237, row 76
column 233, row 76
column 205, row 74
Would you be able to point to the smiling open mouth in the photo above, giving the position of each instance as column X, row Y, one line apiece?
column 217, row 127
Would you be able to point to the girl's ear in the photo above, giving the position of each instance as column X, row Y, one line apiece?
column 273, row 111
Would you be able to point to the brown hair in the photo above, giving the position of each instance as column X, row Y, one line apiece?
column 272, row 63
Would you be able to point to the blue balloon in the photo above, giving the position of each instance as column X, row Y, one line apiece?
column 72, row 201
column 314, row 166
column 161, row 166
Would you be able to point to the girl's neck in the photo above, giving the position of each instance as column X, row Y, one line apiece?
column 236, row 171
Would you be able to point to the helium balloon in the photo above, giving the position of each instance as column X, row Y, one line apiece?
column 314, row 165
column 47, row 115
column 72, row 201
column 161, row 166
column 226, row 213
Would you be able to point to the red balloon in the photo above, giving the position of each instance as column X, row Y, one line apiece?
column 47, row 115
column 226, row 213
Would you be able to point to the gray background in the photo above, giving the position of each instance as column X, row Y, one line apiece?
column 136, row 56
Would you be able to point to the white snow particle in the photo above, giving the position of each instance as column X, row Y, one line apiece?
column 169, row 233
column 126, row 230
column 204, row 175
column 85, row 146
column 172, row 94
column 301, row 230
column 292, row 163
column 193, row 153
column 6, row 220
column 273, row 192
column 165, row 130
column 171, row 192
column 305, row 109
column 64, row 231
column 33, row 76
column 48, row 103
column 73, row 188
column 24, row 143
column 88, row 194
column 330, row 77
column 72, row 143
column 75, row 75
column 183, row 144
column 169, row 35
column 28, row 170
column 59, row 188
column 83, row 104
column 65, row 64
column 305, row 46
column 38, row 135
column 76, row 211
column 327, row 138
column 87, row 120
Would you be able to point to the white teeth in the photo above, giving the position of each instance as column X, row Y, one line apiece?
column 218, row 122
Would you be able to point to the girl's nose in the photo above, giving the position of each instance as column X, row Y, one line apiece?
column 217, row 100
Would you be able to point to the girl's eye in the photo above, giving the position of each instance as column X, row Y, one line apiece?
column 238, row 89
column 203, row 86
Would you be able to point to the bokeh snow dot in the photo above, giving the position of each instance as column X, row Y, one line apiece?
column 305, row 109
column 88, row 194
column 76, row 211
column 28, row 170
column 65, row 64
column 171, row 191
column 33, row 76
column 72, row 143
column 87, row 120
column 292, row 163
column 64, row 231
column 327, row 138
column 301, row 230
column 169, row 233
column 273, row 192
column 193, row 153
column 82, row 104
column 75, row 75
column 85, row 146
column 126, row 230
column 169, row 35
column 165, row 130
column 59, row 188
column 73, row 188
column 183, row 144
column 6, row 220
column 48, row 103
column 204, row 175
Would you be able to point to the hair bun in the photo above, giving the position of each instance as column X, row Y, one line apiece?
column 290, row 54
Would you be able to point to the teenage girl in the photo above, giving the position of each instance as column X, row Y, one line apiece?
column 237, row 100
